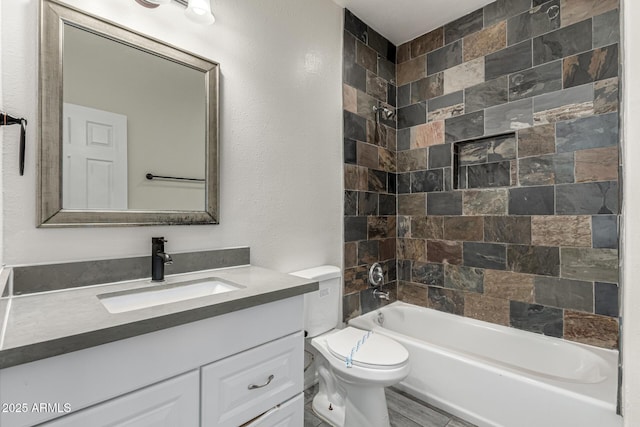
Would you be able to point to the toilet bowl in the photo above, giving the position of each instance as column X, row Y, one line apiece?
column 354, row 366
column 353, row 394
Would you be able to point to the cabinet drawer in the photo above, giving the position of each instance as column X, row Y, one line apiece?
column 288, row 414
column 170, row 403
column 243, row 386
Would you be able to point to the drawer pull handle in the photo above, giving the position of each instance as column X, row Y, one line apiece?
column 253, row 386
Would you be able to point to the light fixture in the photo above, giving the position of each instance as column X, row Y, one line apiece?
column 198, row 11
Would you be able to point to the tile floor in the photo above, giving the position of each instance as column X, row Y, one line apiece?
column 404, row 411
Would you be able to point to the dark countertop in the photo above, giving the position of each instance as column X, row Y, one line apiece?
column 41, row 325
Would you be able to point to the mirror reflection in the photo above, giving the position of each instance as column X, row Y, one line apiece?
column 127, row 114
column 117, row 107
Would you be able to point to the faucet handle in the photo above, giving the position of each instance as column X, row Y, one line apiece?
column 376, row 275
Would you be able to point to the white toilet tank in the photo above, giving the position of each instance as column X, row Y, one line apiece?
column 322, row 308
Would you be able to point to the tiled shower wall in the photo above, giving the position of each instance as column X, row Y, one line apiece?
column 525, row 234
column 369, row 155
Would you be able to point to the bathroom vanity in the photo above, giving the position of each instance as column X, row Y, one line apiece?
column 225, row 359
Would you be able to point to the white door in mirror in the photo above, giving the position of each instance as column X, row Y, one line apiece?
column 94, row 154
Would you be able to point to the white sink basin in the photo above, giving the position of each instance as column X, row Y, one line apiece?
column 119, row 302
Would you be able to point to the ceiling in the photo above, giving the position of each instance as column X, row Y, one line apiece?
column 403, row 20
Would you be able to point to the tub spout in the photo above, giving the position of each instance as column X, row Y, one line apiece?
column 380, row 294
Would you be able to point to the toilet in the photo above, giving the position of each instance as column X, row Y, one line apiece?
column 353, row 366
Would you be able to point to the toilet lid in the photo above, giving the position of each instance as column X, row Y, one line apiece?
column 377, row 351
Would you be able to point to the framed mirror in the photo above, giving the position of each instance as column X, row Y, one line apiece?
column 129, row 126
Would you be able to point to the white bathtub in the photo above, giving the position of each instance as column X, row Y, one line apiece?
column 493, row 375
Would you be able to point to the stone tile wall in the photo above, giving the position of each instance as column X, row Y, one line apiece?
column 519, row 230
column 369, row 73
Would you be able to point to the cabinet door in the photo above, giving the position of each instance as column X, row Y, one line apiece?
column 170, row 403
column 289, row 414
column 241, row 387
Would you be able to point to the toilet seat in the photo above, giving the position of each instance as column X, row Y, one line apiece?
column 353, row 394
column 377, row 351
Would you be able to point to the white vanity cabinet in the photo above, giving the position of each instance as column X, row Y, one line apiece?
column 287, row 414
column 196, row 374
column 243, row 386
column 170, row 403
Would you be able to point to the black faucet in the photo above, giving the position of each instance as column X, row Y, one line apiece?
column 158, row 259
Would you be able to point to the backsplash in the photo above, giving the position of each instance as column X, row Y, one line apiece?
column 507, row 168
column 28, row 279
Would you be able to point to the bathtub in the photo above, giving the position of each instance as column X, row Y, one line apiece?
column 493, row 375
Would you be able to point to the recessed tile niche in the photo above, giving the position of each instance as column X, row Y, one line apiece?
column 485, row 162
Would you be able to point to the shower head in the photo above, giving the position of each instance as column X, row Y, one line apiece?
column 387, row 113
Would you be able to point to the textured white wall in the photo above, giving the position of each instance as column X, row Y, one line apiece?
column 2, row 139
column 631, row 214
column 281, row 127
